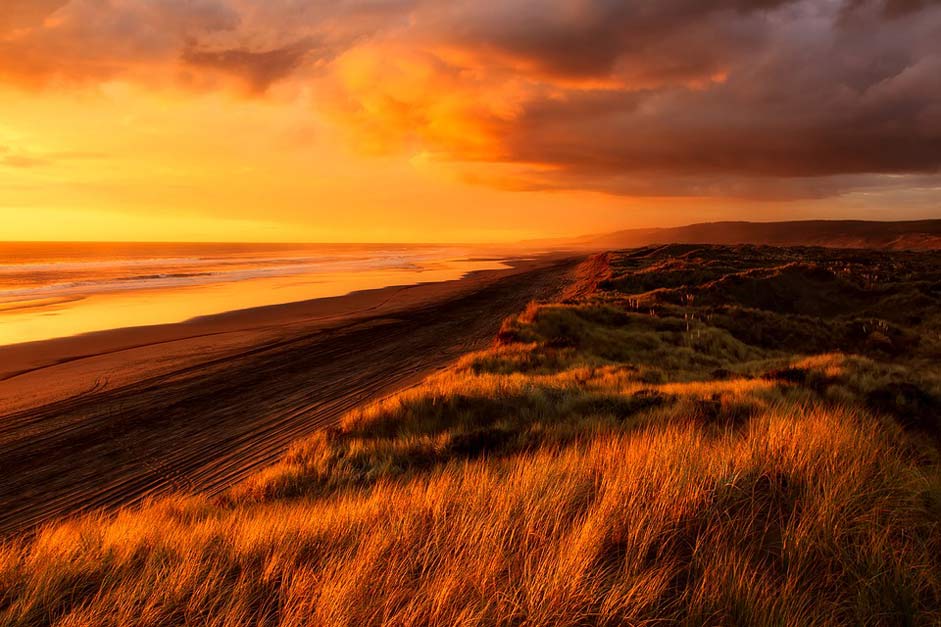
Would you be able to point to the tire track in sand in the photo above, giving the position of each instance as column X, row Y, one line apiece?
column 205, row 427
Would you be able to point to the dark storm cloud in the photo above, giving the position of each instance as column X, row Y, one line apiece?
column 761, row 98
column 724, row 98
column 595, row 38
column 889, row 8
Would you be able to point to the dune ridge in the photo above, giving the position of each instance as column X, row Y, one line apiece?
column 898, row 235
column 625, row 454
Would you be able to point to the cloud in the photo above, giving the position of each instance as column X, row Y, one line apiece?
column 600, row 39
column 259, row 69
column 85, row 41
column 18, row 14
column 773, row 99
column 82, row 42
column 726, row 98
column 889, row 9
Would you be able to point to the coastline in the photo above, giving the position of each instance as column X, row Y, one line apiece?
column 112, row 417
column 67, row 298
column 133, row 348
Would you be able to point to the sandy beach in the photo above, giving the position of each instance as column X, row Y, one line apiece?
column 110, row 418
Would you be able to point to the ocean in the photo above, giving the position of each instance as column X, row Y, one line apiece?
column 50, row 290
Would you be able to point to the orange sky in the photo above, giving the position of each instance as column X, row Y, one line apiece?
column 126, row 163
column 402, row 121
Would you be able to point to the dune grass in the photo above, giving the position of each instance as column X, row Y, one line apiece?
column 613, row 460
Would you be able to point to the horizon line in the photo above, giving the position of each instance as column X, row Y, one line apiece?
column 547, row 238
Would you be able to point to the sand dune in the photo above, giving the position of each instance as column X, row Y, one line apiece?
column 903, row 235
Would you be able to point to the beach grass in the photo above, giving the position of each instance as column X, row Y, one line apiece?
column 634, row 454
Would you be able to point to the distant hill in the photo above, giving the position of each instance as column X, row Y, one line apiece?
column 910, row 235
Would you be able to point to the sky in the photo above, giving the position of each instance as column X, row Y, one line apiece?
column 460, row 121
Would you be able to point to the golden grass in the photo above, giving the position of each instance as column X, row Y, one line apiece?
column 799, row 518
column 541, row 484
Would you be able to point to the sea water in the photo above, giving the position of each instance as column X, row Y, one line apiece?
column 50, row 290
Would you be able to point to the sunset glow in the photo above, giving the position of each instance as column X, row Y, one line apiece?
column 431, row 313
column 227, row 120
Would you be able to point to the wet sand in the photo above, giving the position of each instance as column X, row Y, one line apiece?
column 110, row 418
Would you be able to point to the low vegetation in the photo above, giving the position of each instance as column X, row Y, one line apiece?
column 699, row 435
